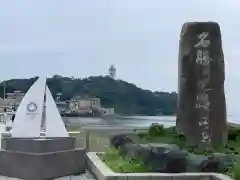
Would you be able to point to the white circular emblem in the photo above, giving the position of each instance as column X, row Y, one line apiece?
column 32, row 107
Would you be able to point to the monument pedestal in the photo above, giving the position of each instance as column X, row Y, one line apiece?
column 41, row 158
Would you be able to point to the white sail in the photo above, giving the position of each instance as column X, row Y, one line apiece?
column 55, row 126
column 28, row 117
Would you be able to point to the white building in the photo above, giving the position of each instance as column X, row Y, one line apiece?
column 84, row 104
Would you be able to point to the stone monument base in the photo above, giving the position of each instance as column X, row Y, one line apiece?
column 41, row 158
column 38, row 145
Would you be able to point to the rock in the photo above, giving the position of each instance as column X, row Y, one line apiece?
column 144, row 151
column 119, row 140
column 158, row 157
column 140, row 150
column 129, row 149
column 194, row 162
column 201, row 107
column 212, row 165
column 167, row 161
column 202, row 163
column 226, row 159
column 168, row 146
column 197, row 159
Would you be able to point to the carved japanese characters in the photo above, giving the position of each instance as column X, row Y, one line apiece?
column 201, row 114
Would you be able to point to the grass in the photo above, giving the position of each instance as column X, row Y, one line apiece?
column 122, row 164
column 158, row 134
column 235, row 171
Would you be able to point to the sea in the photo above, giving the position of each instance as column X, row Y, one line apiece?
column 126, row 122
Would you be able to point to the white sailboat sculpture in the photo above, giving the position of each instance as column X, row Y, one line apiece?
column 28, row 118
column 55, row 126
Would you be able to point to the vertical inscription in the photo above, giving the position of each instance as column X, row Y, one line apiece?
column 203, row 60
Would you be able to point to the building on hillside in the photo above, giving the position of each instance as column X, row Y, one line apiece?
column 112, row 71
column 108, row 111
column 62, row 106
column 84, row 104
column 15, row 98
column 6, row 104
column 12, row 100
column 95, row 103
column 16, row 95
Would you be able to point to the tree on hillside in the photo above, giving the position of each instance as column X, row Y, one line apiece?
column 125, row 97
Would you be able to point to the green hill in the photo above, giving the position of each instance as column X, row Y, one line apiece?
column 125, row 97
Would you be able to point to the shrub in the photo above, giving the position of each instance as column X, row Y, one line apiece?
column 226, row 146
column 179, row 143
column 190, row 149
column 142, row 135
column 174, row 129
column 198, row 151
column 233, row 133
column 236, row 171
column 208, row 151
column 156, row 130
column 180, row 137
column 122, row 164
column 170, row 131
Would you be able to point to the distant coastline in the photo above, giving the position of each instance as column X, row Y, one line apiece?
column 126, row 98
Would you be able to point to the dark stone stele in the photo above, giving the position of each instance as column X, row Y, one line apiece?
column 41, row 158
column 188, row 78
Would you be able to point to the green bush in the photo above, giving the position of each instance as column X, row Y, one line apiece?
column 208, row 151
column 236, row 171
column 180, row 137
column 156, row 130
column 142, row 135
column 179, row 143
column 190, row 148
column 121, row 164
column 233, row 134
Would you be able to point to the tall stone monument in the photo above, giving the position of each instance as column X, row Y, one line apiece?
column 201, row 114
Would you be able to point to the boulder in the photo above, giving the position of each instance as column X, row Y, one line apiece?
column 226, row 159
column 194, row 162
column 119, row 140
column 168, row 158
column 158, row 158
column 130, row 149
column 167, row 161
column 203, row 163
column 167, row 146
column 212, row 165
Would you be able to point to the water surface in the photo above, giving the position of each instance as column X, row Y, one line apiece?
column 126, row 122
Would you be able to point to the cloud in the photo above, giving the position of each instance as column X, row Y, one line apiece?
column 82, row 38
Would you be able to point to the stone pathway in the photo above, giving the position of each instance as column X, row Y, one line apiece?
column 86, row 176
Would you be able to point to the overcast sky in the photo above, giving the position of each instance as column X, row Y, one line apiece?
column 84, row 37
